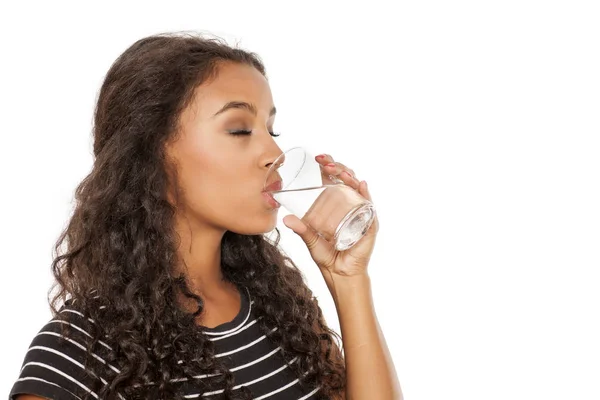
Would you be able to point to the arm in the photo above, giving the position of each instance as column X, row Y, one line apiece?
column 369, row 367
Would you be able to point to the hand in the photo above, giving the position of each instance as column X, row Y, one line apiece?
column 339, row 264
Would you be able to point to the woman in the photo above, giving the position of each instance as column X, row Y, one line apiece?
column 167, row 286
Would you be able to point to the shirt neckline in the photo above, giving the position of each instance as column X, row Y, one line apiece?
column 238, row 321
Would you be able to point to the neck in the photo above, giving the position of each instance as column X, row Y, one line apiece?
column 199, row 254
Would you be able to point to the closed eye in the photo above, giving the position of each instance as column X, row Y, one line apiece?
column 246, row 132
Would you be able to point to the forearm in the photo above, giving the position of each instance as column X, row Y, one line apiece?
column 370, row 370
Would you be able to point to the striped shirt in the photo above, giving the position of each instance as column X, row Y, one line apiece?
column 54, row 369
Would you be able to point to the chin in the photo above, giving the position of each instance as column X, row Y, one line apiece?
column 258, row 226
column 268, row 227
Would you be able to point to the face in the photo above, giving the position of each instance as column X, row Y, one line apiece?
column 221, row 175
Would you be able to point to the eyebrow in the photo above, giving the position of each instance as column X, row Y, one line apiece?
column 243, row 106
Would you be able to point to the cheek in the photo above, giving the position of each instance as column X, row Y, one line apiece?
column 203, row 162
column 205, row 175
column 215, row 183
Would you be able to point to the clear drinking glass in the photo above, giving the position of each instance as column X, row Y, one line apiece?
column 336, row 211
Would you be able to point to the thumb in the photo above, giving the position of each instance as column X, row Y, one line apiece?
column 295, row 224
column 320, row 250
column 308, row 235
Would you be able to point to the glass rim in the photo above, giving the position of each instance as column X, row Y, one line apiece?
column 276, row 162
column 306, row 151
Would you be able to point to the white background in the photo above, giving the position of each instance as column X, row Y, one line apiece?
column 475, row 123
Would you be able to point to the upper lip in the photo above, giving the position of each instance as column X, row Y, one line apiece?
column 273, row 186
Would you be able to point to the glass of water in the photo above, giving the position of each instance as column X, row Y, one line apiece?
column 336, row 211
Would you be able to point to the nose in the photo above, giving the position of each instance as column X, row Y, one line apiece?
column 272, row 156
column 271, row 164
column 279, row 161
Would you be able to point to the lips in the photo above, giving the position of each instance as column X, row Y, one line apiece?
column 273, row 186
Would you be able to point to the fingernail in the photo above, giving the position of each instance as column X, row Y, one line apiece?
column 320, row 156
column 331, row 165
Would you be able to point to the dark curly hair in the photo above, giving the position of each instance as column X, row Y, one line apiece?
column 120, row 244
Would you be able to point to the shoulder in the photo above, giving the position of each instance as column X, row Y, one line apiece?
column 54, row 366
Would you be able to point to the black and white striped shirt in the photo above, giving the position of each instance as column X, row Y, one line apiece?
column 54, row 369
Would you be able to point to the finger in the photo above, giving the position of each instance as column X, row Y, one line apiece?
column 295, row 224
column 324, row 159
column 350, row 180
column 364, row 191
column 339, row 168
column 345, row 168
column 308, row 235
column 374, row 228
column 328, row 174
column 344, row 173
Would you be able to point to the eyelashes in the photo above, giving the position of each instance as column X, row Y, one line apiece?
column 246, row 132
